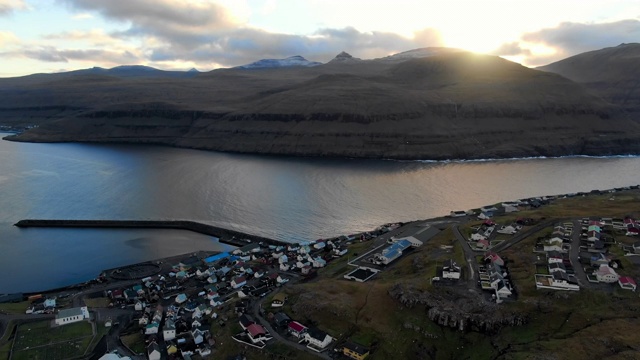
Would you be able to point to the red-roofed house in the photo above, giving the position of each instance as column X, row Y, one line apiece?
column 238, row 282
column 494, row 258
column 606, row 274
column 483, row 244
column 258, row 333
column 628, row 283
column 296, row 329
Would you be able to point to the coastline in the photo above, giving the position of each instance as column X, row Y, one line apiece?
column 172, row 225
column 622, row 149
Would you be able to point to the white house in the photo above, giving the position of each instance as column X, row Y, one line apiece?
column 606, row 274
column 153, row 351
column 113, row 356
column 414, row 242
column 450, row 270
column 317, row 339
column 509, row 230
column 151, row 329
column 257, row 333
column 68, row 316
column 169, row 330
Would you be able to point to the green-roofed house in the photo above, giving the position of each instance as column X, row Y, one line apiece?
column 68, row 316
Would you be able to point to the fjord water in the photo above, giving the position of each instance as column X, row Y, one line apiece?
column 285, row 198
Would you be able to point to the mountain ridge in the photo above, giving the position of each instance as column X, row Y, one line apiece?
column 447, row 105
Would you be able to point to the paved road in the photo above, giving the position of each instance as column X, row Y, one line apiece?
column 469, row 254
column 581, row 276
column 255, row 310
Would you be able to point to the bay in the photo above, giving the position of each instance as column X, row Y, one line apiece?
column 287, row 198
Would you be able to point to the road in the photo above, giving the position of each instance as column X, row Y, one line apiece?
column 574, row 255
column 469, row 254
column 255, row 310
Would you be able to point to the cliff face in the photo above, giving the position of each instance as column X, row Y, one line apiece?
column 448, row 105
column 454, row 309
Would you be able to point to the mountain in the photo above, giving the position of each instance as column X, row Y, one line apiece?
column 292, row 61
column 447, row 104
column 612, row 73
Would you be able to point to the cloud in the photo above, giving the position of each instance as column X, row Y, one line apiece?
column 570, row 38
column 51, row 54
column 511, row 49
column 209, row 34
column 578, row 37
column 244, row 45
column 82, row 16
column 9, row 6
column 7, row 37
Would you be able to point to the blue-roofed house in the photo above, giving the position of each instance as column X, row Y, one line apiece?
column 213, row 258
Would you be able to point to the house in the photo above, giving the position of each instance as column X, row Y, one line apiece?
column 50, row 302
column 281, row 319
column 636, row 247
column 68, row 316
column 554, row 257
column 319, row 262
column 278, row 300
column 169, row 330
column 317, row 339
column 238, row 282
column 257, row 333
column 214, row 258
column 483, row 244
column 553, row 247
column 113, row 356
column 593, row 236
column 451, row 270
column 306, row 270
column 117, row 294
column 355, row 351
column 296, row 329
column 599, row 259
column 606, row 274
column 493, row 258
column 250, row 248
column 627, row 282
column 414, row 242
column 478, row 237
column 557, row 266
column 508, row 230
column 197, row 335
column 151, row 329
column 153, row 351
column 181, row 298
column 245, row 321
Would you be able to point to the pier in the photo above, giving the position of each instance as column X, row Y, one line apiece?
column 225, row 236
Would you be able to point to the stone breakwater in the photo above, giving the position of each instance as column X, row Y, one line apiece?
column 225, row 236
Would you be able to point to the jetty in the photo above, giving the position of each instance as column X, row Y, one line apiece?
column 225, row 236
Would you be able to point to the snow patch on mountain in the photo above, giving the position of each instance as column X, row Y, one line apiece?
column 292, row 61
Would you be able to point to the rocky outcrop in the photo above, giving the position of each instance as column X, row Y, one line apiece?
column 458, row 308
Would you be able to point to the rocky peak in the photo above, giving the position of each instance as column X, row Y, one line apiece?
column 344, row 56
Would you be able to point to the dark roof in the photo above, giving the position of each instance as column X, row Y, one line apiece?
column 153, row 347
column 190, row 260
column 359, row 349
column 249, row 247
column 281, row 317
column 317, row 333
column 246, row 320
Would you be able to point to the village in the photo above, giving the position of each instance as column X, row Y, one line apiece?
column 191, row 305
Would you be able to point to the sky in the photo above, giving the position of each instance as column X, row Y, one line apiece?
column 61, row 35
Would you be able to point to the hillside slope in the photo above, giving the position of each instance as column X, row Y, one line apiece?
column 449, row 104
column 612, row 73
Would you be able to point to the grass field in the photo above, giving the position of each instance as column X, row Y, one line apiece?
column 37, row 340
column 15, row 308
column 135, row 342
column 100, row 302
